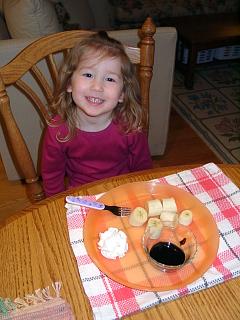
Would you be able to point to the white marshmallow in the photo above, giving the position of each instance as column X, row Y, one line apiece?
column 113, row 243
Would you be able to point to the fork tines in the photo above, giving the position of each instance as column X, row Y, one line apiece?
column 119, row 211
column 124, row 211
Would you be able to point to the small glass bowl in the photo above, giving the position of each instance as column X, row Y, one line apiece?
column 174, row 248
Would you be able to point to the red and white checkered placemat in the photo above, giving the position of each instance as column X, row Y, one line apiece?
column 111, row 300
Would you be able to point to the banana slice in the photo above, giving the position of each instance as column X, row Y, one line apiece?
column 154, row 227
column 185, row 217
column 169, row 218
column 169, row 204
column 138, row 217
column 154, row 207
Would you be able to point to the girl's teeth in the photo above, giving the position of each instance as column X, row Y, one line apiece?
column 95, row 100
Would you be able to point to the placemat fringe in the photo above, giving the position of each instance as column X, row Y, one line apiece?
column 40, row 296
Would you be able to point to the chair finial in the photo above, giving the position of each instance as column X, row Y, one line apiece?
column 148, row 28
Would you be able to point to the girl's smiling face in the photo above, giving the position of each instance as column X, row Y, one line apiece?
column 97, row 87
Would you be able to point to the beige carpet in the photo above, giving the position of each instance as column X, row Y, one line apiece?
column 213, row 107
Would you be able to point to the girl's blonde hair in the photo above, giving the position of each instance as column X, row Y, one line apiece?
column 127, row 114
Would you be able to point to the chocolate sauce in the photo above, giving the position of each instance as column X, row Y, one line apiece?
column 167, row 253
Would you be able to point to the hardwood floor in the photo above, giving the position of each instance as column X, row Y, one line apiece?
column 183, row 147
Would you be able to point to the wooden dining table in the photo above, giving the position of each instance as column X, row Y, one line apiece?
column 35, row 251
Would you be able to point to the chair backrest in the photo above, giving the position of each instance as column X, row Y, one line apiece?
column 27, row 61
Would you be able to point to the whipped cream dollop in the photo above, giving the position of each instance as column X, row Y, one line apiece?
column 113, row 243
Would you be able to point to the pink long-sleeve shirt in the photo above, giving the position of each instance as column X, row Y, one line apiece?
column 90, row 156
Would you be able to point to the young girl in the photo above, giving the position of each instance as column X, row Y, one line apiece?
column 97, row 128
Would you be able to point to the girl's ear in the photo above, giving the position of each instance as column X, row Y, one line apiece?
column 69, row 87
column 120, row 100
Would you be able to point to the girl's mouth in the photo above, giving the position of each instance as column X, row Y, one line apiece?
column 95, row 100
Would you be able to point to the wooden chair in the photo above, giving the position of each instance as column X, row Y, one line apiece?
column 27, row 60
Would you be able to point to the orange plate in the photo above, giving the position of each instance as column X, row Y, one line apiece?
column 134, row 270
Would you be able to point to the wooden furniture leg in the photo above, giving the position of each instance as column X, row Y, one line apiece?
column 192, row 60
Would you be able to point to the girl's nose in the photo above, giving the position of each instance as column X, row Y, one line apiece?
column 97, row 84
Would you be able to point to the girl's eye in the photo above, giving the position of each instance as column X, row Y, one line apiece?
column 110, row 79
column 87, row 75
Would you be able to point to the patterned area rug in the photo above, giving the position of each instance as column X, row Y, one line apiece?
column 213, row 108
